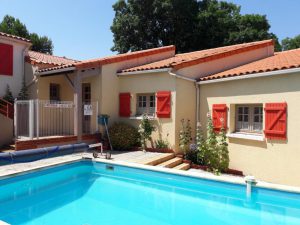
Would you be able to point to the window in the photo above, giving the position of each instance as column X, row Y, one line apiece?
column 146, row 104
column 6, row 59
column 249, row 118
column 54, row 92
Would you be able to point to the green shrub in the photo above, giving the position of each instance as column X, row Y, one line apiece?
column 160, row 144
column 123, row 136
column 145, row 131
column 185, row 136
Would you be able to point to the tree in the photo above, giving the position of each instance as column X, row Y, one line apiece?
column 11, row 25
column 23, row 95
column 41, row 43
column 252, row 27
column 8, row 95
column 290, row 43
column 189, row 24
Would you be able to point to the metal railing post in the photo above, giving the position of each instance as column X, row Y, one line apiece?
column 31, row 119
column 37, row 105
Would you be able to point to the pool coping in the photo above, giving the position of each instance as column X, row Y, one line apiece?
column 208, row 176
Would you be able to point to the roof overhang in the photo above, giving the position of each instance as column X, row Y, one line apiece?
column 143, row 72
column 56, row 72
column 253, row 75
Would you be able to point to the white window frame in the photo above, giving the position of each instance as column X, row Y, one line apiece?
column 239, row 128
column 145, row 104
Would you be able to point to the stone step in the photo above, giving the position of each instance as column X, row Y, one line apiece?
column 171, row 163
column 153, row 161
column 182, row 166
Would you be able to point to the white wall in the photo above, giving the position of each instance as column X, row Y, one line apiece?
column 14, row 81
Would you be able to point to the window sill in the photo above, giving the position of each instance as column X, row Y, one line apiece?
column 255, row 137
column 141, row 117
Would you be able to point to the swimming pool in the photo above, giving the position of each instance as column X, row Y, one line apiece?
column 87, row 193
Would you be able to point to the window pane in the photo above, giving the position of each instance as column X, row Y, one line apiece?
column 246, row 110
column 240, row 110
column 240, row 118
column 256, row 119
column 246, row 118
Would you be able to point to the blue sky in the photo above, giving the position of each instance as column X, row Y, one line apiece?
column 80, row 29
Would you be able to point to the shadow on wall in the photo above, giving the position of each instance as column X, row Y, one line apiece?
column 256, row 86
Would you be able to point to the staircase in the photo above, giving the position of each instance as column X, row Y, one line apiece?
column 168, row 160
column 6, row 108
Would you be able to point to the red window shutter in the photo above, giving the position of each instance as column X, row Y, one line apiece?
column 219, row 116
column 124, row 104
column 163, row 104
column 6, row 59
column 275, row 121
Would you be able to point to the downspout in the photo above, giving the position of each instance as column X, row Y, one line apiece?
column 197, row 104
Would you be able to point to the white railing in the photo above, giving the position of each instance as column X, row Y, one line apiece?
column 41, row 118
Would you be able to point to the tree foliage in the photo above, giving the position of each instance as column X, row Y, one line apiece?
column 189, row 24
column 11, row 25
column 291, row 43
column 8, row 96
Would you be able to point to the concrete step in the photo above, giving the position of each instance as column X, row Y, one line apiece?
column 182, row 166
column 153, row 161
column 171, row 163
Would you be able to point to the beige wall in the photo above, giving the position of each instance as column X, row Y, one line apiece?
column 151, row 83
column 185, row 106
column 273, row 161
column 14, row 81
column 6, row 131
column 183, row 102
column 43, row 87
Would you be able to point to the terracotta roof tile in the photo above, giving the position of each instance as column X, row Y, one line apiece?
column 41, row 58
column 192, row 58
column 122, row 57
column 280, row 61
column 55, row 68
column 14, row 37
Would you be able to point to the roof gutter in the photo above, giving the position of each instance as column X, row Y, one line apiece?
column 181, row 76
column 58, row 71
column 255, row 75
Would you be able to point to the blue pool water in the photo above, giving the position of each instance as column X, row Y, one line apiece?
column 86, row 193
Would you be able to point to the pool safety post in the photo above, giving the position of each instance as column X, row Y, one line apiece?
column 250, row 182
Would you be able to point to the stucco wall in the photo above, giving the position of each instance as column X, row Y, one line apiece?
column 151, row 83
column 14, row 81
column 43, row 86
column 273, row 161
column 185, row 106
column 6, row 131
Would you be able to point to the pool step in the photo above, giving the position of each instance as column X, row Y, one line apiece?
column 182, row 166
column 155, row 160
column 171, row 163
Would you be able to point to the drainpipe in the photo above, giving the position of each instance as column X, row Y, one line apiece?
column 197, row 104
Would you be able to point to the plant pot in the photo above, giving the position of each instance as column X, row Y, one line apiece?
column 187, row 161
column 234, row 172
